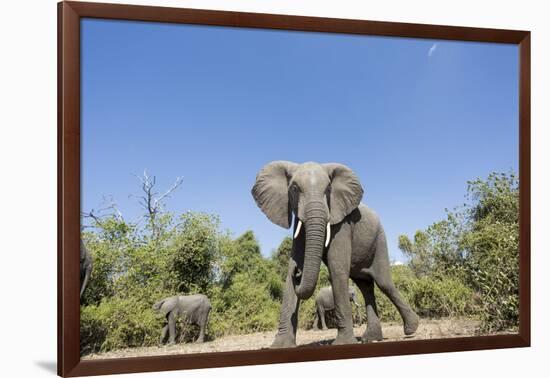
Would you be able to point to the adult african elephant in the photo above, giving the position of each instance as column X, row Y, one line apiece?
column 324, row 301
column 346, row 235
column 195, row 308
column 86, row 264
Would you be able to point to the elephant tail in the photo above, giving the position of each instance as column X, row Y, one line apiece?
column 158, row 305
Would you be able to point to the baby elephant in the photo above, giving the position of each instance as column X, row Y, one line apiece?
column 324, row 301
column 195, row 309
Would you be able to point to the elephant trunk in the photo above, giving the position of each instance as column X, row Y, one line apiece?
column 315, row 227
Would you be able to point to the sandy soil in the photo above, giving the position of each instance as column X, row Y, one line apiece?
column 428, row 329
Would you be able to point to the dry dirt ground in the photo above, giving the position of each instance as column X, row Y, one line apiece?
column 428, row 329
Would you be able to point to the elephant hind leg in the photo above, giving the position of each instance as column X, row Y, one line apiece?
column 163, row 334
column 202, row 324
column 316, row 320
column 410, row 319
column 322, row 317
column 171, row 328
column 374, row 329
column 382, row 277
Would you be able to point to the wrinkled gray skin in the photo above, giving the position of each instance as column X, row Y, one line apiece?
column 324, row 301
column 85, row 267
column 317, row 194
column 195, row 308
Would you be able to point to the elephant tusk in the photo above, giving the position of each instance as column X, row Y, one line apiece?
column 298, row 228
column 328, row 235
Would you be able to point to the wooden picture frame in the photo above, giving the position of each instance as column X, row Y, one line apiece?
column 69, row 169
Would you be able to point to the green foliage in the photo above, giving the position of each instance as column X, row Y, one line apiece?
column 476, row 246
column 250, row 291
column 429, row 296
column 492, row 246
column 420, row 256
column 281, row 256
column 118, row 323
column 193, row 252
column 244, row 307
column 240, row 255
column 133, row 269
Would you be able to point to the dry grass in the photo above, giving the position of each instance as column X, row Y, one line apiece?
column 428, row 329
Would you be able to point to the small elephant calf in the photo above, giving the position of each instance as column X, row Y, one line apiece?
column 324, row 301
column 195, row 309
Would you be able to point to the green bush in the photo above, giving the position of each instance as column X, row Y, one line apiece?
column 493, row 270
column 118, row 323
column 244, row 307
column 133, row 269
column 441, row 297
column 477, row 246
column 431, row 297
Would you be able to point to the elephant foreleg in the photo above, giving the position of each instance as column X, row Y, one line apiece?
column 288, row 321
column 338, row 258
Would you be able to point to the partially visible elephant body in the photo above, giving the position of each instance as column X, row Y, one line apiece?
column 194, row 308
column 86, row 264
column 324, row 301
column 330, row 226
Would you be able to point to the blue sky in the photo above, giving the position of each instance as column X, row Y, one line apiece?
column 415, row 119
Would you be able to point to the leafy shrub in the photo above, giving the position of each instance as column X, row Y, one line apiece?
column 478, row 247
column 118, row 323
column 133, row 269
column 428, row 296
column 244, row 307
column 193, row 252
column 493, row 268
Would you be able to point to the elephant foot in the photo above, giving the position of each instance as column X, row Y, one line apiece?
column 345, row 338
column 199, row 341
column 284, row 341
column 372, row 334
column 170, row 343
column 411, row 324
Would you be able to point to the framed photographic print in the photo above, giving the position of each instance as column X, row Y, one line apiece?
column 240, row 188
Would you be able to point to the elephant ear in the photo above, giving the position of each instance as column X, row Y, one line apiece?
column 346, row 191
column 271, row 191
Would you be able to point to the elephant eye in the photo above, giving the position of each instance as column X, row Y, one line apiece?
column 328, row 189
column 294, row 188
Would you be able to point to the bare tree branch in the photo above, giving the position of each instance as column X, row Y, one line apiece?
column 177, row 183
column 151, row 201
column 109, row 209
